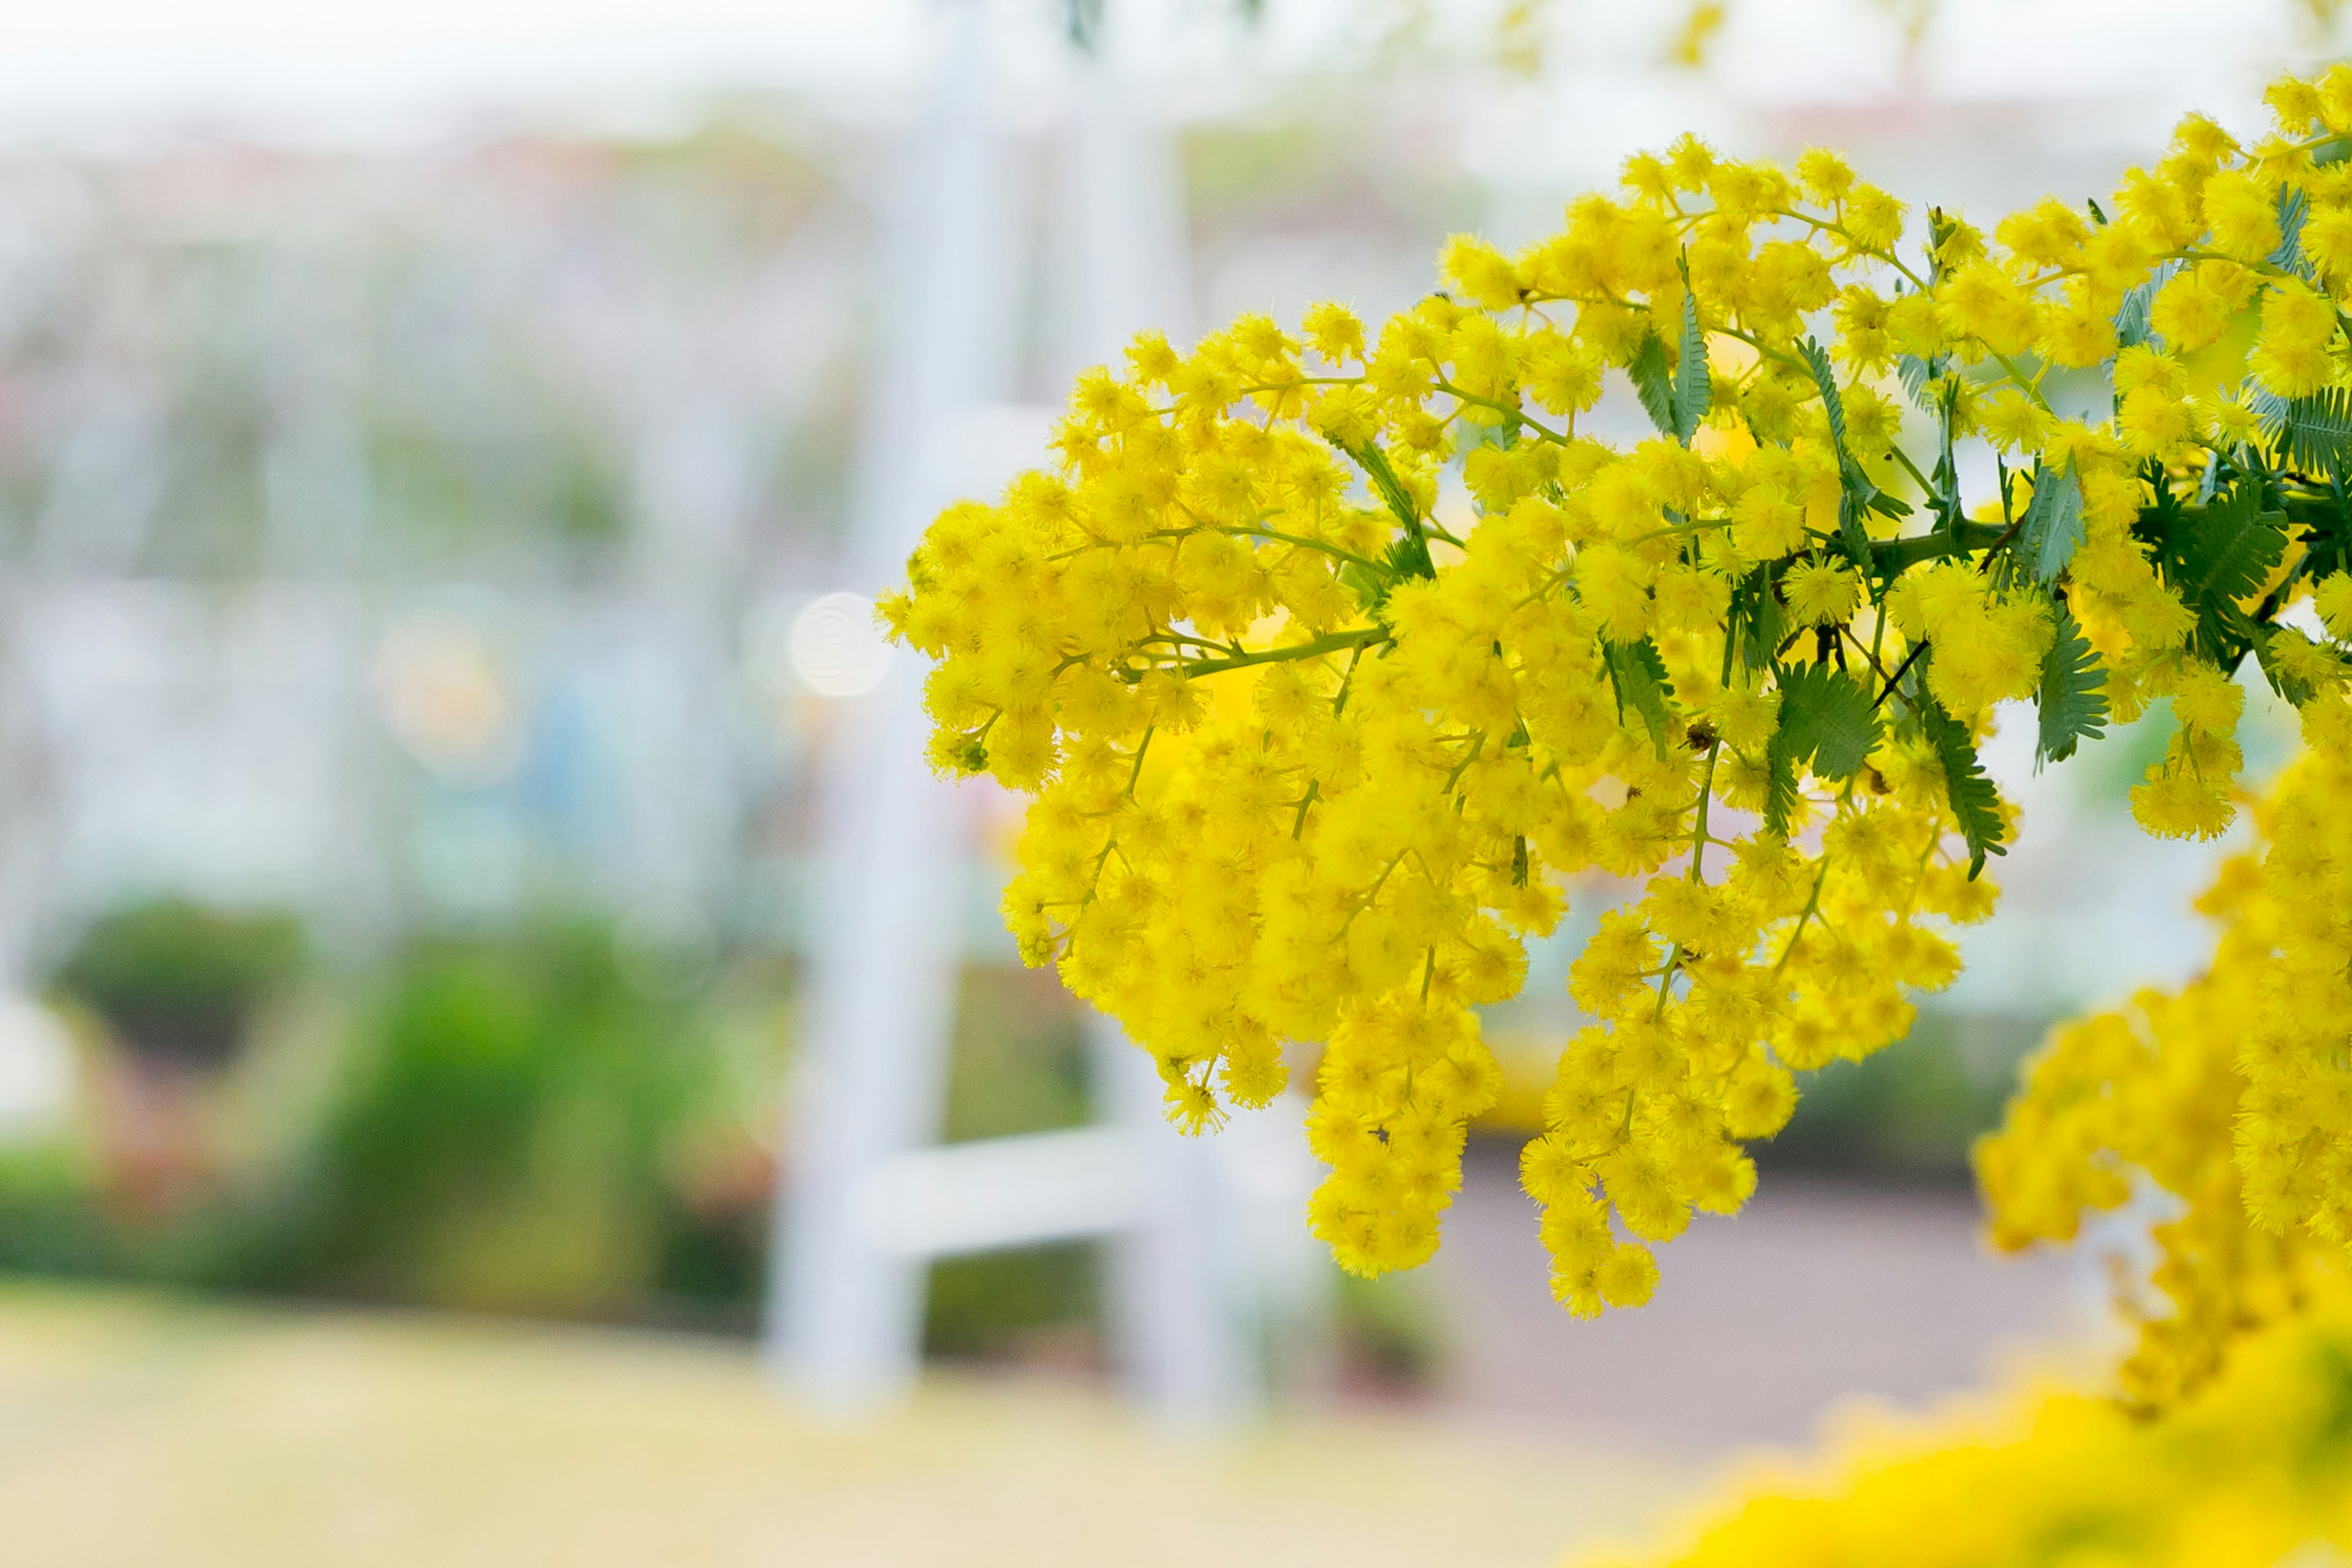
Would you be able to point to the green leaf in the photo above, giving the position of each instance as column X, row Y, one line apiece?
column 1761, row 617
column 2326, row 536
column 1923, row 380
column 1405, row 557
column 1861, row 495
column 1828, row 720
column 2051, row 530
column 1780, row 789
column 1408, row 556
column 2273, row 670
column 1944, row 484
column 1817, row 360
column 2311, row 433
column 1915, row 374
column 2072, row 699
column 1651, row 374
column 2132, row 327
column 1974, row 803
column 1638, row 676
column 2215, row 555
column 2294, row 207
column 1853, row 540
column 1385, row 483
column 1694, row 394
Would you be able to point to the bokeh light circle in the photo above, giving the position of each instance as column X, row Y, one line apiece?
column 837, row 649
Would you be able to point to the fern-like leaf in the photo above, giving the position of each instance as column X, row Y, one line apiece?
column 1817, row 360
column 1638, row 677
column 2294, row 207
column 1652, row 383
column 1694, row 394
column 1385, row 484
column 1828, row 718
column 1829, row 723
column 1780, row 789
column 1761, row 619
column 2268, row 645
column 2132, row 317
column 2072, row 699
column 2051, row 530
column 2224, row 554
column 1915, row 375
column 1976, row 804
column 2314, row 433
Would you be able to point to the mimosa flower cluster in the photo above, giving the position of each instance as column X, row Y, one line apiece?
column 2233, row 1096
column 2251, row 1473
column 1328, row 653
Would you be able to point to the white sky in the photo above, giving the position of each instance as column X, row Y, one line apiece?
column 334, row 69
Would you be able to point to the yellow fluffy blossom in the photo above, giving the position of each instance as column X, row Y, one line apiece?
column 2234, row 1095
column 1328, row 656
column 2250, row 1474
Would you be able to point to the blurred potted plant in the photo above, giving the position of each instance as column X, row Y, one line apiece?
column 179, row 982
column 175, row 986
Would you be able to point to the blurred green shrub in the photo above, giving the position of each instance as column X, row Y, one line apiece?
column 546, row 1119
column 1018, row 1065
column 177, row 981
column 1026, row 1303
column 50, row 1218
column 507, row 1138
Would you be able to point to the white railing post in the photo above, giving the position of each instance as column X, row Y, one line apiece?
column 871, row 1199
column 844, row 1311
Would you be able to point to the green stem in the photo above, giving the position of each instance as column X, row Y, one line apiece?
column 1554, row 437
column 1260, row 531
column 1812, row 904
column 1894, row 556
column 1332, row 642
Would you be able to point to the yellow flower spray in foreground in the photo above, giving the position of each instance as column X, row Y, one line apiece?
column 2233, row 1095
column 2254, row 1472
column 1328, row 654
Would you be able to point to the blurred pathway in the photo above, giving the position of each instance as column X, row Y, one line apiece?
column 139, row 1430
column 1821, row 1291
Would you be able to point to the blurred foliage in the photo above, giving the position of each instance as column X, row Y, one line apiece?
column 506, row 1138
column 1019, row 1062
column 1391, row 1330
column 1025, row 1303
column 546, row 1120
column 50, row 1218
column 542, row 1120
column 233, row 363
column 1910, row 1111
column 179, row 981
column 1018, row 1065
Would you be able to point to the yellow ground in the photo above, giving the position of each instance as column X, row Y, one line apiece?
column 153, row 1431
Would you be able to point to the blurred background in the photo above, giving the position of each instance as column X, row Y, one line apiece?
column 435, row 443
